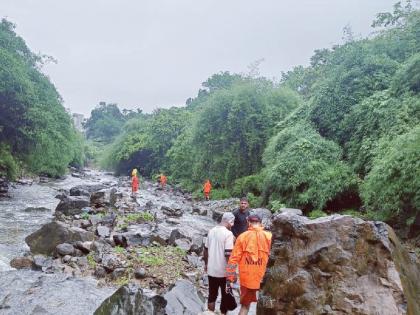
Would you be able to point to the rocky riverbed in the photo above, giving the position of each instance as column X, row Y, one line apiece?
column 95, row 249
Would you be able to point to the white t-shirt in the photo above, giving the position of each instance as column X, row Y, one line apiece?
column 218, row 240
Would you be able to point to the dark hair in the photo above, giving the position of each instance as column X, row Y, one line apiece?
column 254, row 218
column 244, row 199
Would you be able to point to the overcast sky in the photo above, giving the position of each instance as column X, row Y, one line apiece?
column 156, row 53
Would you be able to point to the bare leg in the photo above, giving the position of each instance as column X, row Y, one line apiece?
column 244, row 309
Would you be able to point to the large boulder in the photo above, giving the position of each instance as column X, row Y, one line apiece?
column 81, row 190
column 132, row 300
column 184, row 299
column 72, row 205
column 45, row 240
column 338, row 265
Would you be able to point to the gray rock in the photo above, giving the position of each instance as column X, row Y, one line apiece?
column 132, row 300
column 100, row 272
column 291, row 211
column 183, row 243
column 171, row 212
column 118, row 273
column 45, row 240
column 40, row 261
column 79, row 191
column 72, row 205
column 140, row 273
column 33, row 292
column 184, row 299
column 103, row 231
column 37, row 209
column 65, row 249
column 110, row 262
column 98, row 198
column 67, row 259
column 84, row 247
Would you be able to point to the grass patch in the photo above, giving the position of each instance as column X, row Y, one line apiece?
column 91, row 261
column 138, row 216
column 314, row 214
column 119, row 250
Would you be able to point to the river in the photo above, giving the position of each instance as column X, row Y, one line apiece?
column 16, row 222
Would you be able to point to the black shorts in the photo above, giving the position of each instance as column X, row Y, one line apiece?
column 214, row 285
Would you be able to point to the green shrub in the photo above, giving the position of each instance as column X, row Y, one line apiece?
column 8, row 165
column 275, row 205
column 248, row 184
column 254, row 201
column 393, row 184
column 218, row 194
column 314, row 214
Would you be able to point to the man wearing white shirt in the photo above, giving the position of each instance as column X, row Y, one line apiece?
column 218, row 247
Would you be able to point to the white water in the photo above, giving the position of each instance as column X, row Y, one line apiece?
column 16, row 223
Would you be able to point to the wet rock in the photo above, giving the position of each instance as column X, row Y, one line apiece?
column 100, row 272
column 115, row 196
column 291, row 211
column 140, row 273
column 265, row 215
column 72, row 205
column 77, row 175
column 370, row 270
column 184, row 244
column 140, row 234
column 85, row 224
column 65, row 249
column 110, row 262
column 45, row 240
column 37, row 209
column 184, row 299
column 78, row 191
column 22, row 262
column 132, row 300
column 118, row 273
column 195, row 261
column 173, row 221
column 84, row 247
column 98, row 199
column 171, row 212
column 61, row 196
column 33, row 292
column 199, row 210
column 175, row 234
column 40, row 261
column 67, row 259
column 103, row 231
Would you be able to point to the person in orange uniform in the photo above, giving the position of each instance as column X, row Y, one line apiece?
column 207, row 189
column 163, row 181
column 250, row 252
column 134, row 182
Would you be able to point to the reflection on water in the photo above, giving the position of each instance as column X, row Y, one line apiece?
column 16, row 224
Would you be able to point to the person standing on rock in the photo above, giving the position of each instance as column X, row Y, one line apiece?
column 207, row 189
column 134, row 182
column 241, row 217
column 162, row 180
column 217, row 249
column 251, row 252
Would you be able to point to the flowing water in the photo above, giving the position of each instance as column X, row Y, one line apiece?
column 17, row 221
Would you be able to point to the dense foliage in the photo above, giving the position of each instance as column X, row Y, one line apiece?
column 36, row 133
column 342, row 133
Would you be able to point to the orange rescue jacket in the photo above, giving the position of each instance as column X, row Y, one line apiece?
column 207, row 187
column 250, row 252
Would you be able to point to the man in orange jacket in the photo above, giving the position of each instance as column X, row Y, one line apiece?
column 207, row 189
column 163, row 180
column 250, row 252
column 134, row 182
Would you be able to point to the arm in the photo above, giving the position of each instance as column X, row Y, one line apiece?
column 205, row 258
column 234, row 259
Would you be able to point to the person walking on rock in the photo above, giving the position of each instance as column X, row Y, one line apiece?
column 217, row 249
column 250, row 252
column 134, row 182
column 162, row 180
column 241, row 217
column 207, row 189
